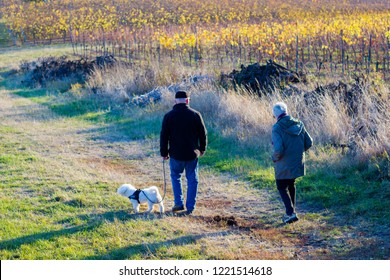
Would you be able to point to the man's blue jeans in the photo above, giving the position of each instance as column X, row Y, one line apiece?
column 191, row 168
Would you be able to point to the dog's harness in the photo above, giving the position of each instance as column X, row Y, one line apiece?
column 135, row 195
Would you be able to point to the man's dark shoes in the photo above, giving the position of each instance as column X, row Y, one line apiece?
column 177, row 208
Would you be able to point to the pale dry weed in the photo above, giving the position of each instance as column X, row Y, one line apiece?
column 248, row 118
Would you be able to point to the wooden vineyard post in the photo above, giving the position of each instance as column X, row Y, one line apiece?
column 369, row 55
column 297, row 55
column 342, row 53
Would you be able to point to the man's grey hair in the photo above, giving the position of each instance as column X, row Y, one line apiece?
column 279, row 108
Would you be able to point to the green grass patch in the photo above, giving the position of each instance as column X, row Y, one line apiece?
column 7, row 129
column 73, row 108
column 226, row 154
column 141, row 126
column 36, row 95
column 354, row 190
column 262, row 178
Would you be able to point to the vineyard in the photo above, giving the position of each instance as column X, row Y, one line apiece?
column 334, row 35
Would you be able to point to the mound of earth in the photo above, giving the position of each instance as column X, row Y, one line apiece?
column 55, row 68
column 261, row 78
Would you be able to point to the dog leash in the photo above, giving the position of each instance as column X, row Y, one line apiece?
column 165, row 187
column 165, row 181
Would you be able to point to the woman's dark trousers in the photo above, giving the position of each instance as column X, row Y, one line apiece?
column 286, row 188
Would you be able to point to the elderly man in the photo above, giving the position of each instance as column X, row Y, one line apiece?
column 183, row 139
column 290, row 141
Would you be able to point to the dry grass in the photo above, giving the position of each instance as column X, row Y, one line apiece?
column 123, row 81
column 249, row 118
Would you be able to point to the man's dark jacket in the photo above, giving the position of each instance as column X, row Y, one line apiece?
column 183, row 134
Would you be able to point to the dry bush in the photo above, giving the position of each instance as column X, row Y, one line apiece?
column 248, row 118
column 124, row 81
column 120, row 82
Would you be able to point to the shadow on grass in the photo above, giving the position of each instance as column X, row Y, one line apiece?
column 127, row 129
column 93, row 221
column 31, row 93
column 15, row 243
column 117, row 123
column 66, row 106
column 134, row 250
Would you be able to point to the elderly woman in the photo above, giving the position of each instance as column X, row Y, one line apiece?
column 290, row 141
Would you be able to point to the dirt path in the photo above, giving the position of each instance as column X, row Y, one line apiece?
column 232, row 219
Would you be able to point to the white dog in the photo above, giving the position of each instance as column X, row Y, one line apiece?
column 150, row 195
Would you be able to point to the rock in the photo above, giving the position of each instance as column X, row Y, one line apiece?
column 148, row 98
column 155, row 95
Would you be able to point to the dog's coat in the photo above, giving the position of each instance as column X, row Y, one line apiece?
column 150, row 195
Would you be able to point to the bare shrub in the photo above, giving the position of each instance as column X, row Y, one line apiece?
column 248, row 118
column 119, row 82
column 124, row 81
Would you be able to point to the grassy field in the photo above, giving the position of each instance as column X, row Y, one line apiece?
column 63, row 153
